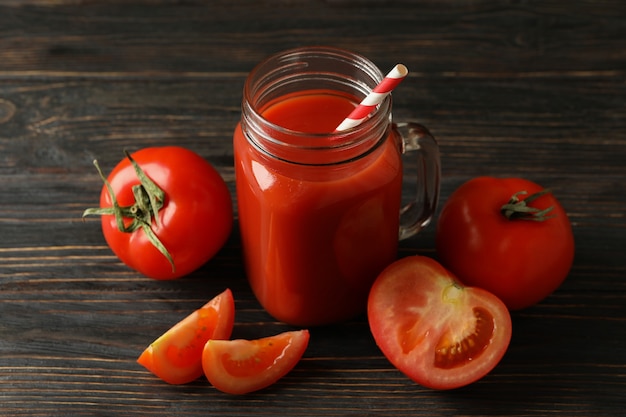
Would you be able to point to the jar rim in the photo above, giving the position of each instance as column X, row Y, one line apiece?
column 288, row 72
column 292, row 59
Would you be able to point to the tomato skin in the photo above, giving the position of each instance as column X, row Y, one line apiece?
column 437, row 332
column 243, row 366
column 196, row 218
column 520, row 261
column 176, row 356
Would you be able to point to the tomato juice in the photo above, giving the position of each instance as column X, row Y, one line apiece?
column 316, row 231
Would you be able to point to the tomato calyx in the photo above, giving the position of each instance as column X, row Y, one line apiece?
column 149, row 199
column 516, row 209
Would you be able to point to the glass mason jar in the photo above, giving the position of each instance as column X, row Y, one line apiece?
column 320, row 211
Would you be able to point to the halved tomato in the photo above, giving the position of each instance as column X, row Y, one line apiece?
column 176, row 356
column 242, row 366
column 439, row 333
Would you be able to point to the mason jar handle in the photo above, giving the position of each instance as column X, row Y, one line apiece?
column 420, row 209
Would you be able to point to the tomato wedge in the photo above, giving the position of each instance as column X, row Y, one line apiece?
column 242, row 366
column 439, row 333
column 176, row 356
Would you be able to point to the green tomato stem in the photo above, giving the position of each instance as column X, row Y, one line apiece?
column 516, row 209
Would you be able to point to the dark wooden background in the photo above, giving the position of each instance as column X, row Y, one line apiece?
column 510, row 88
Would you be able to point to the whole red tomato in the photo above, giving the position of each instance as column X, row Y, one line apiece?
column 174, row 206
column 508, row 236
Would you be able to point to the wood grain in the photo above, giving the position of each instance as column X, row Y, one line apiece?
column 531, row 89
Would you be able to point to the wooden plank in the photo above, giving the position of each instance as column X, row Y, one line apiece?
column 58, row 38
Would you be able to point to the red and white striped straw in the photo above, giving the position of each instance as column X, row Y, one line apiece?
column 373, row 99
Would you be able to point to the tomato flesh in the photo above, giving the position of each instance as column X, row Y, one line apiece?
column 439, row 333
column 243, row 366
column 176, row 356
column 247, row 366
column 451, row 353
column 206, row 322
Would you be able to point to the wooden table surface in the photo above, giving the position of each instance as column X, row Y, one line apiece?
column 535, row 89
